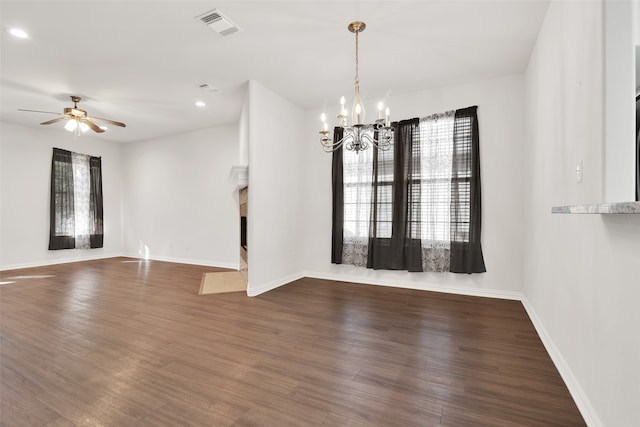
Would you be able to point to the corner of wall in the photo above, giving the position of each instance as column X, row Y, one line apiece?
column 579, row 396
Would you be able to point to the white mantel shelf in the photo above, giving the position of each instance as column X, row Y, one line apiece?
column 600, row 208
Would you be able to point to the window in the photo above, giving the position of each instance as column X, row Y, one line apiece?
column 436, row 144
column 358, row 174
column 412, row 206
column 430, row 185
column 76, row 213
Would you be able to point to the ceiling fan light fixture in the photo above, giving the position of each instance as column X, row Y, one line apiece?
column 71, row 125
column 77, row 120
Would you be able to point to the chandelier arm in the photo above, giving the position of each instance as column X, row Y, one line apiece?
column 330, row 147
column 382, row 143
column 371, row 139
column 357, row 146
column 359, row 143
column 367, row 137
column 349, row 138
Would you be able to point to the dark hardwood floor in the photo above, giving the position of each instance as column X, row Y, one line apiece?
column 122, row 342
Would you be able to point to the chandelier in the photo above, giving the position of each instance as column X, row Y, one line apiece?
column 359, row 135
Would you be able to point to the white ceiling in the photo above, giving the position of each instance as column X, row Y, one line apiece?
column 140, row 61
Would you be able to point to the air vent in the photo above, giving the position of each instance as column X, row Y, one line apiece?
column 218, row 22
column 207, row 87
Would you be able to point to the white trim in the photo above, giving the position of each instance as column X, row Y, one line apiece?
column 421, row 286
column 58, row 261
column 579, row 397
column 265, row 287
column 216, row 264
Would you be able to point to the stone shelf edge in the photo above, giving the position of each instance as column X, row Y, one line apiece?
column 600, row 208
column 239, row 175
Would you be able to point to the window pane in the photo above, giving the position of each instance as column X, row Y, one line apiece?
column 357, row 178
column 436, row 145
column 63, row 199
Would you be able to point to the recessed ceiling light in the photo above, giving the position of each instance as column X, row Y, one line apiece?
column 17, row 32
column 200, row 104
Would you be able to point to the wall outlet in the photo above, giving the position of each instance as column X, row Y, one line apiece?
column 579, row 172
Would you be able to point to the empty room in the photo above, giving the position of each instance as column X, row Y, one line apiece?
column 320, row 213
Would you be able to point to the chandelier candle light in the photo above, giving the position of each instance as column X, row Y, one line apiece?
column 358, row 136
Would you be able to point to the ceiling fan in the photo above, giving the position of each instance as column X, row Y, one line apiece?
column 77, row 117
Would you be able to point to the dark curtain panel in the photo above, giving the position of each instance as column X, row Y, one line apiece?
column 402, row 249
column 96, row 235
column 638, row 166
column 61, row 207
column 466, row 205
column 338, row 201
column 637, row 148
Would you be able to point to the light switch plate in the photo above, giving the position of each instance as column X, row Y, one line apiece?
column 579, row 172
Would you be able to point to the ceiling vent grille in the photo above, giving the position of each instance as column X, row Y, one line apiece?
column 219, row 23
column 207, row 87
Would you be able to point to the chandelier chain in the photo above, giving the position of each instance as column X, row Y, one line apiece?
column 357, row 77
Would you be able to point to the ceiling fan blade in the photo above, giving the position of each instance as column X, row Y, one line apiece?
column 38, row 111
column 108, row 121
column 48, row 122
column 94, row 127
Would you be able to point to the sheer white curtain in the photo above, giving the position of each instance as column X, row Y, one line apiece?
column 357, row 176
column 436, row 148
column 81, row 199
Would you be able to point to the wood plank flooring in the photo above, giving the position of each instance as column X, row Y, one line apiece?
column 122, row 342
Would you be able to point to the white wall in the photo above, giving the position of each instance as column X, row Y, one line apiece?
column 25, row 176
column 274, row 217
column 581, row 278
column 619, row 100
column 501, row 121
column 180, row 203
column 243, row 126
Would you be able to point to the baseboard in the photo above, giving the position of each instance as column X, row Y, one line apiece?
column 56, row 261
column 269, row 286
column 487, row 293
column 206, row 263
column 579, row 396
column 215, row 264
